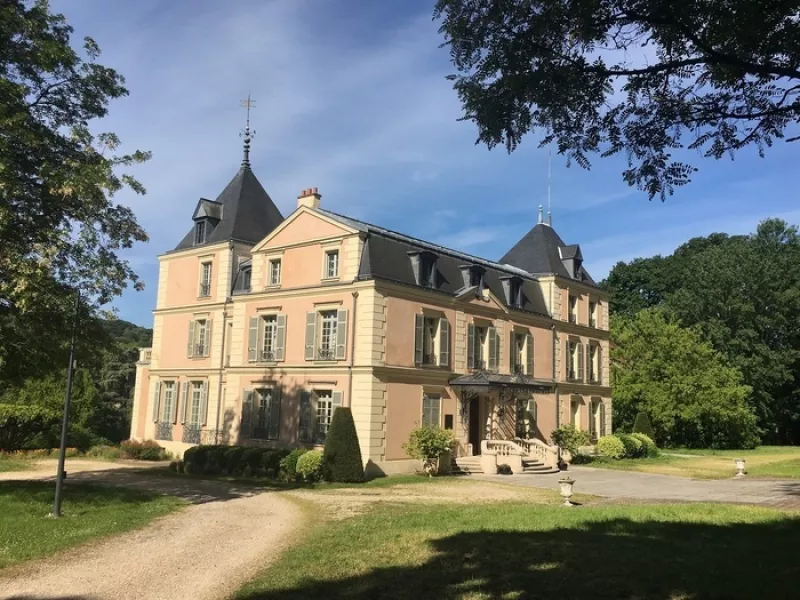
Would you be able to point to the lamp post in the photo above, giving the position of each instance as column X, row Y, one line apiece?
column 62, row 451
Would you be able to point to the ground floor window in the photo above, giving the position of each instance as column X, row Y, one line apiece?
column 195, row 403
column 431, row 410
column 597, row 419
column 526, row 418
column 575, row 412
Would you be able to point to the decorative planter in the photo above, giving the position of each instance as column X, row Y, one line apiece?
column 566, row 483
column 739, row 468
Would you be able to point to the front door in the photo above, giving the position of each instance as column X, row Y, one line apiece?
column 475, row 425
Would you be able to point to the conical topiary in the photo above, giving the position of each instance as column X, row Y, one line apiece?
column 642, row 425
column 342, row 456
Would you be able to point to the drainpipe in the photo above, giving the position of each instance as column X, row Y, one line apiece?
column 352, row 351
column 222, row 352
column 555, row 376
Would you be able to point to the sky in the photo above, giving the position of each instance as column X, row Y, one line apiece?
column 352, row 97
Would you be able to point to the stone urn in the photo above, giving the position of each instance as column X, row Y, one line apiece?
column 566, row 483
column 739, row 468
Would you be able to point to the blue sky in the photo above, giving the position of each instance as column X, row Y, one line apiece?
column 351, row 97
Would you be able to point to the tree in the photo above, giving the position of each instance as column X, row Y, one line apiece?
column 713, row 77
column 742, row 293
column 428, row 444
column 692, row 397
column 59, row 224
column 642, row 425
column 342, row 455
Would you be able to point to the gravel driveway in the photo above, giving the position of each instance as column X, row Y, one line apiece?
column 205, row 551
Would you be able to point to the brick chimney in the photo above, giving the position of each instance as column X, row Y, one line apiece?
column 309, row 198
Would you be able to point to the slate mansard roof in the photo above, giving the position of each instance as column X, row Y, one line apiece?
column 243, row 212
column 386, row 256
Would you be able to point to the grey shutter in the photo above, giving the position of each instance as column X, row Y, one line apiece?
column 185, row 400
column 190, row 346
column 419, row 337
column 341, row 334
column 598, row 373
column 207, row 341
column 512, row 347
column 252, row 340
column 492, row 341
column 311, row 334
column 280, row 337
column 336, row 401
column 204, row 404
column 471, row 346
column 247, row 413
column 529, row 355
column 580, row 361
column 444, row 342
column 568, row 361
column 602, row 419
column 274, row 423
column 306, row 433
column 498, row 351
column 156, row 402
column 176, row 402
column 436, row 411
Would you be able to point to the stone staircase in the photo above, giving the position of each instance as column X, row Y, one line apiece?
column 471, row 465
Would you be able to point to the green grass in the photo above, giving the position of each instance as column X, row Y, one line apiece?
column 11, row 464
column 768, row 461
column 522, row 551
column 89, row 512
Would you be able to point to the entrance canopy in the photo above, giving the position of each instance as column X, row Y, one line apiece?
column 484, row 381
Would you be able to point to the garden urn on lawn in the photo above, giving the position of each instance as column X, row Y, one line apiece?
column 566, row 484
column 739, row 468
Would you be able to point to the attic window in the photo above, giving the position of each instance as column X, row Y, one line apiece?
column 247, row 274
column 200, row 232
column 512, row 286
column 424, row 267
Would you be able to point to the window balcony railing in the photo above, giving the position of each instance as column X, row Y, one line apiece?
column 267, row 355
column 205, row 290
column 164, row 431
column 573, row 318
column 191, row 434
column 326, row 354
column 479, row 365
column 592, row 322
column 429, row 359
column 199, row 349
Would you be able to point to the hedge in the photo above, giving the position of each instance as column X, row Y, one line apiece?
column 611, row 446
column 309, row 466
column 146, row 450
column 20, row 424
column 233, row 460
column 342, row 455
column 623, row 445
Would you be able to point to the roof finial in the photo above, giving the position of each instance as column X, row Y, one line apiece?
column 247, row 134
column 541, row 220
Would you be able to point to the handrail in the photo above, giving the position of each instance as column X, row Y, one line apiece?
column 533, row 447
column 501, row 448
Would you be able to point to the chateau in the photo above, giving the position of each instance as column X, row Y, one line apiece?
column 265, row 324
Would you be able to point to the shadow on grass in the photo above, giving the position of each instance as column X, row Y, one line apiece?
column 87, row 495
column 614, row 558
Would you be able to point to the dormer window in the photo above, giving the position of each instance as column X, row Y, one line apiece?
column 247, row 275
column 424, row 267
column 200, row 232
column 512, row 286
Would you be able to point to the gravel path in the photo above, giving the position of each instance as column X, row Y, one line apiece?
column 206, row 551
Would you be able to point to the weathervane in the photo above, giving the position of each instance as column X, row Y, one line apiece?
column 247, row 134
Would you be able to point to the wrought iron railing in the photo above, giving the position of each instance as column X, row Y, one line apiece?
column 191, row 434
column 205, row 290
column 573, row 318
column 199, row 349
column 518, row 369
column 326, row 354
column 267, row 355
column 212, row 436
column 164, row 431
column 429, row 359
column 479, row 365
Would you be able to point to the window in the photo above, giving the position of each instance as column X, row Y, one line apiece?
column 168, row 406
column 331, row 264
column 266, row 338
column 431, row 410
column 478, row 342
column 526, row 418
column 427, row 275
column 592, row 314
column 247, row 277
column 594, row 363
column 205, row 280
column 431, row 341
column 327, row 337
column 199, row 338
column 573, row 309
column 275, row 271
column 518, row 354
column 325, row 409
column 270, row 337
column 574, row 361
column 200, row 232
column 575, row 413
column 483, row 348
column 430, row 333
column 261, row 414
column 196, row 403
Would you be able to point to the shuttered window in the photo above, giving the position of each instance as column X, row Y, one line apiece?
column 326, row 401
column 327, row 338
column 196, row 403
column 205, row 280
column 275, row 271
column 269, row 337
column 431, row 410
column 168, row 405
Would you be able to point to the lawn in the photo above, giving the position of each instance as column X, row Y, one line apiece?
column 89, row 512
column 767, row 461
column 515, row 551
column 11, row 464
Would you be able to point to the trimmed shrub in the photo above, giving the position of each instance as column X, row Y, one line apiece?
column 342, row 455
column 251, row 461
column 309, row 466
column 428, row 444
column 633, row 447
column 650, row 449
column 611, row 446
column 642, row 425
column 570, row 438
column 217, row 461
column 103, row 451
column 233, row 460
column 146, row 450
column 288, row 463
column 173, row 466
column 504, row 469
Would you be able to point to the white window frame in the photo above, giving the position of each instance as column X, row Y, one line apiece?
column 430, row 340
column 167, row 402
column 269, row 336
column 198, row 227
column 575, row 415
column 323, row 414
column 572, row 311
column 200, row 328
column 275, row 272
column 593, row 311
column 196, row 404
column 206, row 274
column 434, row 402
column 326, row 340
column 331, row 266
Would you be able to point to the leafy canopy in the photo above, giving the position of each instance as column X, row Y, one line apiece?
column 641, row 77
column 693, row 398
